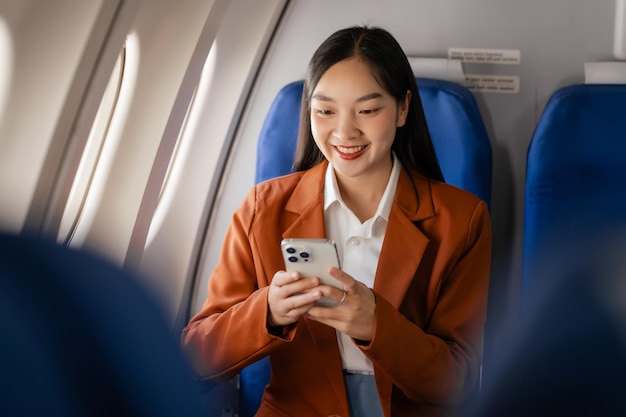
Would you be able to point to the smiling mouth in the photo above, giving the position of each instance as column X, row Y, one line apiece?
column 351, row 149
column 349, row 153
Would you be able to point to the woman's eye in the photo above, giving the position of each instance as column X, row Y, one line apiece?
column 369, row 111
column 323, row 112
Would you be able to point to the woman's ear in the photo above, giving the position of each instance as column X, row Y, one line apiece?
column 403, row 109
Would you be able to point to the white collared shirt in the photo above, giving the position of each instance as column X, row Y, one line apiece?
column 358, row 245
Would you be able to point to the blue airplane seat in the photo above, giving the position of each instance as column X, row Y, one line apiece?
column 82, row 338
column 461, row 143
column 575, row 177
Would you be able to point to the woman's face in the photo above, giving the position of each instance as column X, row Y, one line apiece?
column 354, row 121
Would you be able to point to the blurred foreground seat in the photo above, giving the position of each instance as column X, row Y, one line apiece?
column 566, row 355
column 83, row 338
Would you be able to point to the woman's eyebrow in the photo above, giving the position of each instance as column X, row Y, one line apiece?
column 369, row 97
column 366, row 97
column 321, row 97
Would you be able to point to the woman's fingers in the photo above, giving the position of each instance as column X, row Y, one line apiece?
column 349, row 283
column 355, row 311
column 290, row 297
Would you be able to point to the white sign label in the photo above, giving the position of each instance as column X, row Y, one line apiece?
column 486, row 56
column 479, row 83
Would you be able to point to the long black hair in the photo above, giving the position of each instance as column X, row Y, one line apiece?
column 388, row 63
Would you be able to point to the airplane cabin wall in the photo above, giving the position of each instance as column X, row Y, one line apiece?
column 179, row 228
column 39, row 35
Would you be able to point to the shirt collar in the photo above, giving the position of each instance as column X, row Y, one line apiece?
column 332, row 194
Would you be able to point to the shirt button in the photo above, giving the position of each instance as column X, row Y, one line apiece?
column 355, row 241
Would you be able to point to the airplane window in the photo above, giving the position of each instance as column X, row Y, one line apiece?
column 92, row 152
column 6, row 63
column 181, row 149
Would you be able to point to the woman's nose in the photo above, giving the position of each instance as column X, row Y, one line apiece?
column 346, row 127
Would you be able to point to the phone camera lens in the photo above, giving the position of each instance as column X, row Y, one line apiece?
column 293, row 259
column 291, row 250
column 304, row 255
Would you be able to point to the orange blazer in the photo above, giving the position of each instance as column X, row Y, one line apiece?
column 431, row 295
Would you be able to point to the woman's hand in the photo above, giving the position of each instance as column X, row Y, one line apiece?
column 355, row 315
column 290, row 297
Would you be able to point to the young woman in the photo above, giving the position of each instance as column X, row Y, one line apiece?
column 404, row 338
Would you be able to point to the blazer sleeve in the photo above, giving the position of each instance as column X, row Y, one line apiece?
column 439, row 362
column 230, row 332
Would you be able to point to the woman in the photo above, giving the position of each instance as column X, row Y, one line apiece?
column 405, row 336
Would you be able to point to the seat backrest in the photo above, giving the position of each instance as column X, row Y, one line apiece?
column 461, row 144
column 454, row 122
column 576, row 175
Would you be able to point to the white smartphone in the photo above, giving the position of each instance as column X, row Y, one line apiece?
column 312, row 257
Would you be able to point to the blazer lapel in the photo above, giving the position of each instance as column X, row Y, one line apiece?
column 404, row 244
column 307, row 203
